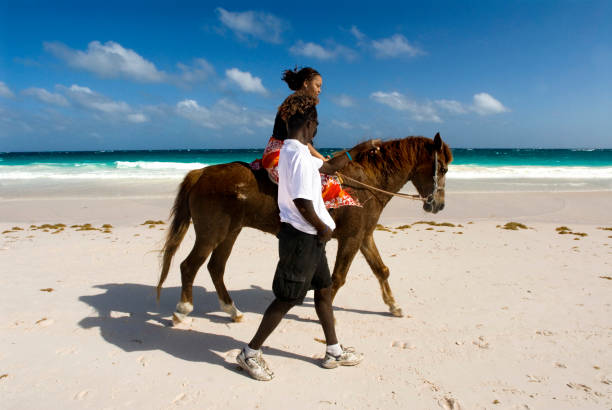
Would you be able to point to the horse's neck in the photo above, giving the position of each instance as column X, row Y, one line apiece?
column 400, row 175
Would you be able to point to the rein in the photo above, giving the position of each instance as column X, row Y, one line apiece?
column 406, row 196
column 429, row 198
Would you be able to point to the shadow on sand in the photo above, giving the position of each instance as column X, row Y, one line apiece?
column 129, row 318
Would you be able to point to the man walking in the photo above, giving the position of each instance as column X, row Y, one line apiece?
column 305, row 228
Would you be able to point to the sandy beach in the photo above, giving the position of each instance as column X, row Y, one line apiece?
column 493, row 318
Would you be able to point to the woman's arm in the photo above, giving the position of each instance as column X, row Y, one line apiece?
column 315, row 153
column 340, row 161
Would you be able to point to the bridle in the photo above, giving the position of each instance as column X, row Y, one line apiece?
column 428, row 200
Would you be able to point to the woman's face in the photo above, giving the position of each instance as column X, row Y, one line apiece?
column 313, row 87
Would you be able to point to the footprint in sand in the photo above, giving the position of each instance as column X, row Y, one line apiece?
column 481, row 342
column 535, row 379
column 584, row 388
column 181, row 399
column 66, row 351
column 449, row 403
column 402, row 345
column 230, row 355
column 44, row 322
column 82, row 395
column 143, row 361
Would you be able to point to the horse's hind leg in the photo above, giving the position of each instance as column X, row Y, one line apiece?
column 216, row 267
column 189, row 270
column 381, row 271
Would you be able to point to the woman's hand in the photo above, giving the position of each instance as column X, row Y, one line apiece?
column 376, row 143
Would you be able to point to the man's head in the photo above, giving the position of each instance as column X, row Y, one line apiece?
column 300, row 115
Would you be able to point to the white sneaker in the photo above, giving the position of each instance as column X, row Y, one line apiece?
column 348, row 357
column 256, row 366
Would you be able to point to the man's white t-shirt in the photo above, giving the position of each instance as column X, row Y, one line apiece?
column 298, row 177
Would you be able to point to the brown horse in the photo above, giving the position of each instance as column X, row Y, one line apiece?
column 222, row 199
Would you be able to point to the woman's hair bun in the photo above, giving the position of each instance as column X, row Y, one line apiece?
column 295, row 78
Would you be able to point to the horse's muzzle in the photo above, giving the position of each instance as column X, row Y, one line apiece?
column 433, row 206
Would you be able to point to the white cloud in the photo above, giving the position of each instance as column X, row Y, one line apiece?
column 222, row 113
column 263, row 26
column 343, row 100
column 264, row 122
column 485, row 104
column 397, row 101
column 320, row 52
column 246, row 81
column 200, row 70
column 355, row 32
column 393, row 99
column 311, row 50
column 191, row 110
column 108, row 60
column 394, row 46
column 46, row 96
column 342, row 124
column 87, row 98
column 452, row 106
column 5, row 91
column 137, row 118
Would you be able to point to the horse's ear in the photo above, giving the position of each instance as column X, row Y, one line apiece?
column 437, row 142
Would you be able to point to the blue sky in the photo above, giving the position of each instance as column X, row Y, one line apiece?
column 198, row 74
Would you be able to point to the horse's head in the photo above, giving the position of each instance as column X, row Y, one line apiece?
column 430, row 171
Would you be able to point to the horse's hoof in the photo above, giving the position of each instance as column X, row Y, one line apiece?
column 180, row 319
column 238, row 318
column 396, row 311
column 184, row 308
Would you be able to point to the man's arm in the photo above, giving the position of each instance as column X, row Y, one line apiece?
column 340, row 161
column 306, row 208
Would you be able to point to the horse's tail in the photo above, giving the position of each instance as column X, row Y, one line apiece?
column 181, row 217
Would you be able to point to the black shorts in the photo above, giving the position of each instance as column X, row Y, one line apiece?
column 302, row 265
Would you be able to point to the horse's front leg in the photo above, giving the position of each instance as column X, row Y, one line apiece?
column 216, row 267
column 381, row 271
column 347, row 249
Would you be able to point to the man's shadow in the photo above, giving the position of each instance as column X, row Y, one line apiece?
column 129, row 318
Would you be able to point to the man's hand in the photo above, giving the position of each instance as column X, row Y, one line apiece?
column 324, row 234
column 306, row 208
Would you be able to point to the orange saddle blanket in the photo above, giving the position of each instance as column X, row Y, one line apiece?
column 334, row 196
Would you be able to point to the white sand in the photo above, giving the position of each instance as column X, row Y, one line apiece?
column 494, row 318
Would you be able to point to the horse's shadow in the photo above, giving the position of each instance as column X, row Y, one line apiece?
column 129, row 318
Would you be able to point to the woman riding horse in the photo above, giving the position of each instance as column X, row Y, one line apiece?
column 306, row 82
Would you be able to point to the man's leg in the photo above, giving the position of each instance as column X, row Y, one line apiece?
column 323, row 306
column 271, row 318
column 250, row 358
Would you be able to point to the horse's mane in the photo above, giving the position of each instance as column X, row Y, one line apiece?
column 395, row 155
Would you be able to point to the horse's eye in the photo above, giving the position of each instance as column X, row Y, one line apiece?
column 443, row 170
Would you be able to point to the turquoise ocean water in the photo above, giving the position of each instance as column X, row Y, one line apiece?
column 471, row 170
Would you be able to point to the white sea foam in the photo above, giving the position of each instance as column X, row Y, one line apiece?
column 528, row 172
column 176, row 170
column 159, row 165
column 87, row 171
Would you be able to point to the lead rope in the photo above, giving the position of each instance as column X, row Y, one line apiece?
column 429, row 198
column 406, row 196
